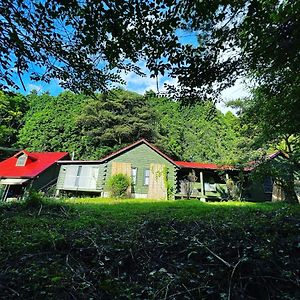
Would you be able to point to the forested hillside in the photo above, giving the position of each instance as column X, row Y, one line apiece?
column 92, row 127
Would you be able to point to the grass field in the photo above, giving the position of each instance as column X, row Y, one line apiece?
column 141, row 249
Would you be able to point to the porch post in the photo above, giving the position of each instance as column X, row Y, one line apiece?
column 202, row 184
column 227, row 176
column 6, row 192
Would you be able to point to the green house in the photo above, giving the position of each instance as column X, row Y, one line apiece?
column 153, row 175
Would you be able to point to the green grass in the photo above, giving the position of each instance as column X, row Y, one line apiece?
column 148, row 249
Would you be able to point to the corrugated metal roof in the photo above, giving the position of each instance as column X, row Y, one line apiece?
column 253, row 164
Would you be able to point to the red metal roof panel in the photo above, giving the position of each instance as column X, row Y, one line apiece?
column 198, row 165
column 41, row 162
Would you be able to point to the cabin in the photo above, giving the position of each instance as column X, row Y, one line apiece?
column 153, row 175
column 151, row 172
column 28, row 170
column 267, row 189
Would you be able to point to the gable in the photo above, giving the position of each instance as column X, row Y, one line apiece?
column 135, row 145
column 142, row 155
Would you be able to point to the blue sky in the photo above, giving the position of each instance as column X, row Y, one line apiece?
column 140, row 84
column 137, row 84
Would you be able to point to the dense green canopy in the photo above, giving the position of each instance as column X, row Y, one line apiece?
column 92, row 127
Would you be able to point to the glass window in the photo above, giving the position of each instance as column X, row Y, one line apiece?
column 146, row 177
column 21, row 160
column 133, row 175
column 268, row 185
column 81, row 177
column 210, row 187
column 78, row 175
column 70, row 176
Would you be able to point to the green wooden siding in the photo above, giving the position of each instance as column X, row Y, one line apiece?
column 101, row 176
column 141, row 157
column 49, row 176
column 61, row 177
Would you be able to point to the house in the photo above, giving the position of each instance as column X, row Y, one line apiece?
column 154, row 175
column 28, row 170
column 268, row 189
column 149, row 168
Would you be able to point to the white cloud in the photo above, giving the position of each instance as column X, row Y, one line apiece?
column 141, row 84
column 36, row 87
column 238, row 90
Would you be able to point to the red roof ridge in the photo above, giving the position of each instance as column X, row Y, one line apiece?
column 254, row 163
column 29, row 154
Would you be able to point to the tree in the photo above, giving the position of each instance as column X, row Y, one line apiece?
column 113, row 120
column 84, row 43
column 50, row 123
column 263, row 122
column 12, row 110
column 199, row 132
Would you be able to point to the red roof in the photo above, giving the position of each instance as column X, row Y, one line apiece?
column 197, row 165
column 37, row 162
column 251, row 165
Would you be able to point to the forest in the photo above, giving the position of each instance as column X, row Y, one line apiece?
column 92, row 127
column 96, row 248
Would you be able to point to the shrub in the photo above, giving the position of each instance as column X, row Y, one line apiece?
column 33, row 199
column 233, row 190
column 118, row 185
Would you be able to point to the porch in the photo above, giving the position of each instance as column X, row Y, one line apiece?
column 202, row 184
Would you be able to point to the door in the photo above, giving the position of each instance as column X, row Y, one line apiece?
column 157, row 185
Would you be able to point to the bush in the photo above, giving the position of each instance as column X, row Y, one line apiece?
column 33, row 199
column 233, row 190
column 118, row 185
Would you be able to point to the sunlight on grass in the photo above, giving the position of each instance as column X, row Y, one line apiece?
column 137, row 210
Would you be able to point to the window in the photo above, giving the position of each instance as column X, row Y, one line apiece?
column 133, row 175
column 78, row 175
column 210, row 186
column 81, row 177
column 21, row 160
column 146, row 176
column 268, row 185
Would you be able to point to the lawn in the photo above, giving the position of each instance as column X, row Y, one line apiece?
column 142, row 249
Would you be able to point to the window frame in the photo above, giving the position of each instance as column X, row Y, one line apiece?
column 134, row 177
column 268, row 185
column 21, row 160
column 148, row 177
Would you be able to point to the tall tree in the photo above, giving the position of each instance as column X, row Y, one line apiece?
column 84, row 42
column 267, row 129
column 115, row 119
column 199, row 132
column 12, row 110
column 50, row 123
